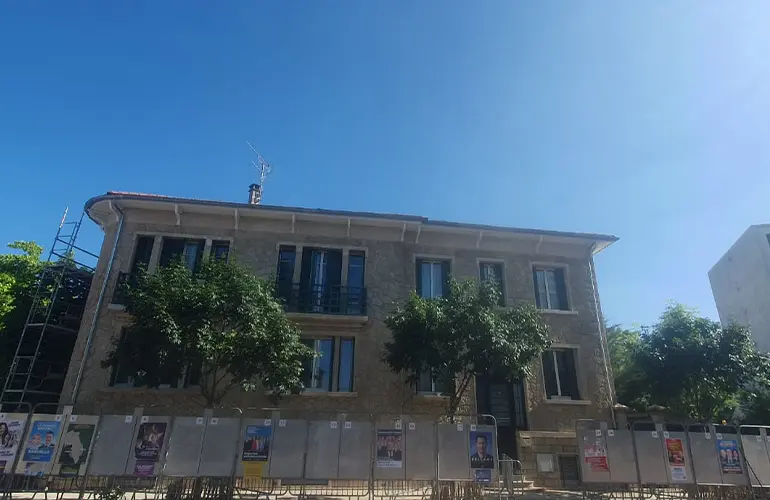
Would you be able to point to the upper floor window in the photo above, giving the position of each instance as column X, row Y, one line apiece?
column 142, row 253
column 220, row 250
column 430, row 383
column 286, row 257
column 560, row 374
column 493, row 272
column 432, row 278
column 331, row 369
column 190, row 251
column 550, row 288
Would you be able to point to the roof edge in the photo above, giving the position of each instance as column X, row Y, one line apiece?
column 606, row 239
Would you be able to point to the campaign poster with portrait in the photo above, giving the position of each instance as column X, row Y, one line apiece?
column 256, row 443
column 729, row 456
column 10, row 437
column 676, row 461
column 390, row 449
column 149, row 441
column 480, row 450
column 41, row 442
column 76, row 442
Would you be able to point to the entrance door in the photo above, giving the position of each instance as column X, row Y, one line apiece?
column 504, row 401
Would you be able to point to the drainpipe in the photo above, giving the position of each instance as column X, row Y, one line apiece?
column 602, row 333
column 92, row 328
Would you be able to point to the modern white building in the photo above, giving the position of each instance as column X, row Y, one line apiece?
column 740, row 282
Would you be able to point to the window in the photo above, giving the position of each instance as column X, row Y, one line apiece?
column 432, row 383
column 560, row 374
column 142, row 253
column 493, row 272
column 432, row 278
column 171, row 378
column 332, row 355
column 220, row 250
column 189, row 251
column 286, row 257
column 550, row 288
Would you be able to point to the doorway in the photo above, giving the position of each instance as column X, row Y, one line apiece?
column 505, row 401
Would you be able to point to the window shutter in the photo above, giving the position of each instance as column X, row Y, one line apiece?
column 568, row 374
column 500, row 283
column 418, row 277
column 334, row 268
column 549, row 372
column 445, row 274
column 537, row 289
column 307, row 262
column 142, row 253
column 561, row 288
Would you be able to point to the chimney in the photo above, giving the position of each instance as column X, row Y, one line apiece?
column 255, row 194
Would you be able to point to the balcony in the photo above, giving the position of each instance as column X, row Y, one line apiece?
column 322, row 299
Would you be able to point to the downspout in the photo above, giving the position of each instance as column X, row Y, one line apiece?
column 92, row 328
column 602, row 333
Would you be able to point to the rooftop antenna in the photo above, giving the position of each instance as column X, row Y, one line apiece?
column 264, row 168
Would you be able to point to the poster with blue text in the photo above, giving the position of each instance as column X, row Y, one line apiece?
column 42, row 441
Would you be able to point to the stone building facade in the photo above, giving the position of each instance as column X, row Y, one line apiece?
column 384, row 254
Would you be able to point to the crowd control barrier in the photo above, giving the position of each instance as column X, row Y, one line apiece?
column 253, row 454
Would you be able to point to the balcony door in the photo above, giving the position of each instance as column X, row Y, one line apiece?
column 320, row 278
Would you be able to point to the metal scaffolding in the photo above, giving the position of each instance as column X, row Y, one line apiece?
column 46, row 343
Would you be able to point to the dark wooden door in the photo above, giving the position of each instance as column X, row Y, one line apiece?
column 504, row 401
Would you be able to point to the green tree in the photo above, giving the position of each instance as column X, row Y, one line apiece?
column 696, row 367
column 624, row 347
column 463, row 334
column 221, row 319
column 19, row 273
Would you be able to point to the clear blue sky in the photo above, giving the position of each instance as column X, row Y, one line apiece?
column 647, row 120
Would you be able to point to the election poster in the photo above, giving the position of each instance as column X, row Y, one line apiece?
column 595, row 455
column 390, row 448
column 75, row 443
column 256, row 443
column 729, row 456
column 41, row 442
column 149, row 441
column 676, row 460
column 11, row 430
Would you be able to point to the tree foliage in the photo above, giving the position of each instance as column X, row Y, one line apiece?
column 221, row 319
column 695, row 367
column 19, row 272
column 624, row 347
column 461, row 335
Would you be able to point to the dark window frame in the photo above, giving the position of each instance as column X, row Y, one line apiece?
column 559, row 383
column 446, row 273
column 561, row 292
column 216, row 246
column 186, row 378
column 335, row 363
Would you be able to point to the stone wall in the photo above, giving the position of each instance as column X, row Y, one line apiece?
column 389, row 277
column 551, row 445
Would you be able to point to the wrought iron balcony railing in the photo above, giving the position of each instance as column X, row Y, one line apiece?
column 322, row 299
